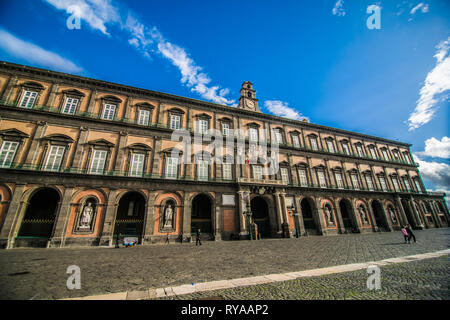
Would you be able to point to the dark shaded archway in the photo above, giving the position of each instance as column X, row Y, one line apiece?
column 380, row 219
column 347, row 214
column 260, row 215
column 408, row 213
column 201, row 214
column 40, row 216
column 130, row 215
column 307, row 208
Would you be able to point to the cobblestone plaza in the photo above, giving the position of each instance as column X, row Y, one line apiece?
column 41, row 273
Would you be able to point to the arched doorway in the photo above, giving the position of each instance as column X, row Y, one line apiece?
column 201, row 214
column 40, row 216
column 346, row 212
column 260, row 215
column 408, row 213
column 380, row 220
column 307, row 215
column 130, row 216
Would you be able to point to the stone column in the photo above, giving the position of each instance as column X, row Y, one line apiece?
column 12, row 82
column 243, row 232
column 156, row 153
column 300, row 216
column 62, row 219
column 12, row 216
column 217, row 220
column 319, row 216
column 279, row 214
column 92, row 100
column 339, row 219
column 79, row 148
column 187, row 207
column 354, row 215
column 107, row 235
column 385, row 216
column 33, row 150
column 52, row 95
column 149, row 219
column 375, row 226
column 401, row 211
column 120, row 156
column 416, row 214
column 435, row 215
column 128, row 106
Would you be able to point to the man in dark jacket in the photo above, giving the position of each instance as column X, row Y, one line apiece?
column 197, row 239
column 410, row 233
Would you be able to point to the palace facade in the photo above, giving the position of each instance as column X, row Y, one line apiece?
column 83, row 160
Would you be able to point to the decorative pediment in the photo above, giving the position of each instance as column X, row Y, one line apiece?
column 294, row 132
column 176, row 110
column 144, row 105
column 73, row 92
column 58, row 138
column 302, row 165
column 101, row 143
column 284, row 163
column 33, row 85
column 13, row 134
column 139, row 147
column 225, row 119
column 171, row 150
column 202, row 115
column 253, row 125
column 112, row 99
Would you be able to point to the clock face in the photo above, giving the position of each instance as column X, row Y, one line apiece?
column 250, row 104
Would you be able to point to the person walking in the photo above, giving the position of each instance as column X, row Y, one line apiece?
column 410, row 233
column 197, row 239
column 405, row 234
column 167, row 239
column 118, row 240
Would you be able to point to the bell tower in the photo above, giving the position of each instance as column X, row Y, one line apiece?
column 248, row 99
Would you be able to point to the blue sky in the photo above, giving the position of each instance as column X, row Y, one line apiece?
column 305, row 58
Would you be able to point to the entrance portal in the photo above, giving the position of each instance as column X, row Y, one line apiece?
column 260, row 215
column 308, row 219
column 379, row 216
column 201, row 214
column 408, row 213
column 346, row 210
column 40, row 216
column 130, row 216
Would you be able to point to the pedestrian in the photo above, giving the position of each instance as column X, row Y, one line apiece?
column 410, row 233
column 405, row 234
column 167, row 239
column 118, row 239
column 197, row 240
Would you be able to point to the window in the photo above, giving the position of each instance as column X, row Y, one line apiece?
column 339, row 180
column 345, row 147
column 407, row 185
column 253, row 134
column 417, row 183
column 144, row 117
column 225, row 129
column 296, row 140
column 202, row 126
column 257, row 172
column 175, row 121
column 285, row 175
column 330, row 145
column 98, row 162
column 369, row 182
column 202, row 167
column 7, row 153
column 372, row 152
column 313, row 142
column 172, row 168
column 227, row 174
column 385, row 154
column 108, row 111
column 277, row 135
column 360, row 150
column 322, row 180
column 395, row 153
column 355, row 181
column 54, row 158
column 28, row 99
column 407, row 159
column 70, row 105
column 303, row 177
column 137, row 165
column 383, row 183
column 395, row 183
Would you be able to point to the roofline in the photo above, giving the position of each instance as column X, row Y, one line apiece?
column 128, row 89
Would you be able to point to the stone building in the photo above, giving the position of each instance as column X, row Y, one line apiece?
column 82, row 160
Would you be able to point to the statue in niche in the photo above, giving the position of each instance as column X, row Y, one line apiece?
column 168, row 216
column 86, row 216
column 391, row 213
column 363, row 215
column 329, row 215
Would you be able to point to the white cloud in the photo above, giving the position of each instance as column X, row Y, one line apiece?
column 339, row 8
column 437, row 172
column 148, row 41
column 282, row 109
column 35, row 54
column 437, row 149
column 97, row 13
column 435, row 88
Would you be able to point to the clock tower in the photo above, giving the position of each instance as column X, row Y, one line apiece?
column 248, row 99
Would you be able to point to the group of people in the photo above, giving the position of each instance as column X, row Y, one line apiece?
column 408, row 234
